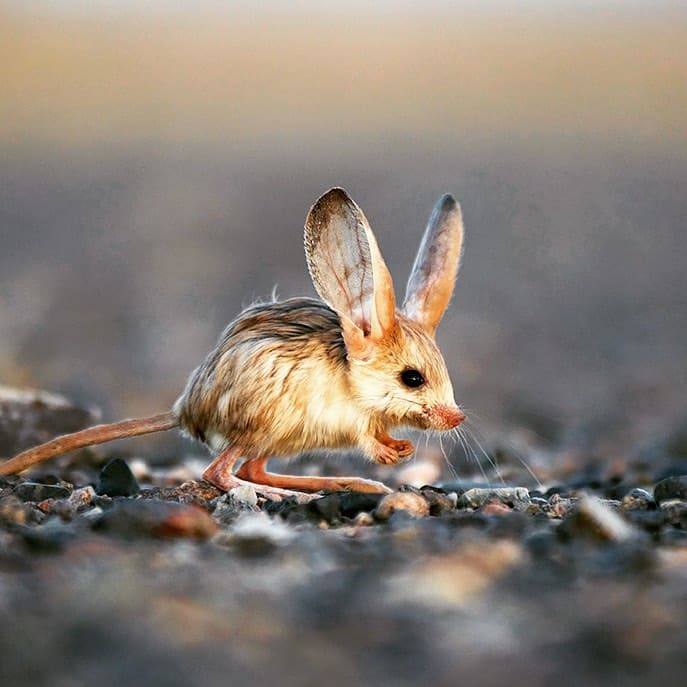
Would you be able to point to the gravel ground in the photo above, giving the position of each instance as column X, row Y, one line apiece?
column 140, row 575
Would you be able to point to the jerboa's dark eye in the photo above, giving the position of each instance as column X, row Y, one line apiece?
column 412, row 378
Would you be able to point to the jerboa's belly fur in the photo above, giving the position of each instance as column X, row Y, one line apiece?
column 276, row 384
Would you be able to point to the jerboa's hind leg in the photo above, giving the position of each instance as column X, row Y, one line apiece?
column 220, row 473
column 253, row 471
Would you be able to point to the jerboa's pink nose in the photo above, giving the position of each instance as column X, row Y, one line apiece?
column 448, row 416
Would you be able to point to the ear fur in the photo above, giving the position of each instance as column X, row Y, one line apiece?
column 348, row 270
column 434, row 273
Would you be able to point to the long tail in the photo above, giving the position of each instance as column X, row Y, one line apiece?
column 99, row 434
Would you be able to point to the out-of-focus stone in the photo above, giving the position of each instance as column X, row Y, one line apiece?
column 596, row 519
column 332, row 509
column 517, row 498
column 48, row 538
column 453, row 580
column 675, row 513
column 29, row 417
column 13, row 511
column 671, row 488
column 439, row 502
column 559, row 507
column 256, row 534
column 418, row 472
column 409, row 502
column 638, row 499
column 157, row 519
column 116, row 479
column 200, row 493
column 35, row 492
column 495, row 507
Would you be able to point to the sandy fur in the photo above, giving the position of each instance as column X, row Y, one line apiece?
column 280, row 382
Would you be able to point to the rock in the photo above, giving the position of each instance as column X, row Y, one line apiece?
column 455, row 578
column 66, row 508
column 81, row 499
column 559, row 507
column 229, row 506
column 439, row 502
column 116, row 479
column 409, row 502
column 595, row 518
column 515, row 497
column 35, row 492
column 245, row 495
column 638, row 499
column 199, row 492
column 13, row 511
column 671, row 488
column 675, row 513
column 29, row 417
column 333, row 508
column 157, row 519
column 537, row 505
column 495, row 507
column 351, row 503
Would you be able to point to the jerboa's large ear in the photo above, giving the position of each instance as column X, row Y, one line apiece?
column 434, row 273
column 347, row 268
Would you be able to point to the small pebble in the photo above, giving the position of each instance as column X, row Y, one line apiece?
column 116, row 479
column 83, row 498
column 638, row 499
column 495, row 507
column 229, row 506
column 439, row 502
column 244, row 494
column 515, row 497
column 559, row 507
column 409, row 502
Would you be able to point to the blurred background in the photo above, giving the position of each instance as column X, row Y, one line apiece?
column 157, row 162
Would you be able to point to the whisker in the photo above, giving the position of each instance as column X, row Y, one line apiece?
column 452, row 470
column 475, row 457
column 470, row 451
column 475, row 431
column 490, row 459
